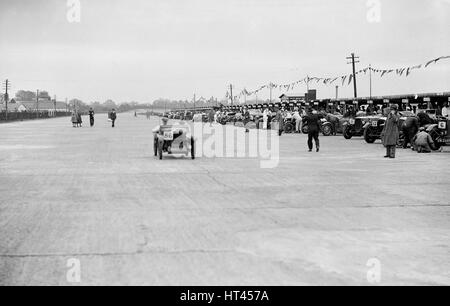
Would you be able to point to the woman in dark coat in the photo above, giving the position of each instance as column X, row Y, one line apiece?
column 390, row 134
column 280, row 121
column 80, row 120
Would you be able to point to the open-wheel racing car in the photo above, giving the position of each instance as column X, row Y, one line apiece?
column 173, row 139
column 440, row 132
column 374, row 128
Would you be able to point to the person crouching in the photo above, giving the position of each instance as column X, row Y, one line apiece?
column 422, row 142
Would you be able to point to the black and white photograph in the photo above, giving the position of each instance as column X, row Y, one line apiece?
column 210, row 144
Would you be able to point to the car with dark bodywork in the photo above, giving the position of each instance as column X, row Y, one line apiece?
column 173, row 139
column 374, row 127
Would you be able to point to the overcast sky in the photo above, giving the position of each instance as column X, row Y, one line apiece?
column 145, row 49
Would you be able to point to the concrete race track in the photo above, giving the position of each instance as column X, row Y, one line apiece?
column 100, row 197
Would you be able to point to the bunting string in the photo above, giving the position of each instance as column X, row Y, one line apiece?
column 404, row 71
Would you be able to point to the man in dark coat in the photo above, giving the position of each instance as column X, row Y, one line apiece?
column 313, row 123
column 113, row 117
column 91, row 116
column 410, row 129
column 390, row 134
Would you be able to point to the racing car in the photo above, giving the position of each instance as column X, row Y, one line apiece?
column 173, row 139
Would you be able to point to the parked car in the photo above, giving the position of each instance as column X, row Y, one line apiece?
column 374, row 127
column 354, row 127
column 325, row 128
column 440, row 132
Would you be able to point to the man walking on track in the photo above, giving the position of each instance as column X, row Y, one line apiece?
column 313, row 123
column 91, row 117
column 113, row 117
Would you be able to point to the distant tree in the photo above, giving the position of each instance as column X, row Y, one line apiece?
column 25, row 95
column 44, row 95
column 110, row 104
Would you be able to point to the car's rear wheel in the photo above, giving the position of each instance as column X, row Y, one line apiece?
column 368, row 135
column 348, row 133
column 289, row 128
column 305, row 129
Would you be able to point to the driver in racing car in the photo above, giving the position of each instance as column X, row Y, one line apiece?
column 157, row 129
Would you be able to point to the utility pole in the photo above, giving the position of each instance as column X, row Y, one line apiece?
column 270, row 92
column 37, row 103
column 231, row 93
column 353, row 62
column 7, row 85
column 54, row 104
column 307, row 89
column 194, row 103
column 370, row 77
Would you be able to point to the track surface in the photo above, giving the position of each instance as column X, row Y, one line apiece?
column 99, row 196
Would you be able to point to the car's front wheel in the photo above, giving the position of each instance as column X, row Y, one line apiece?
column 327, row 130
column 368, row 135
column 348, row 133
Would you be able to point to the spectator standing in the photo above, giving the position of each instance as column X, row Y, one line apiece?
column 390, row 134
column 298, row 120
column 445, row 111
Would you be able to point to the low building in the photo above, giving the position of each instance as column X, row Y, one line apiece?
column 292, row 98
column 51, row 107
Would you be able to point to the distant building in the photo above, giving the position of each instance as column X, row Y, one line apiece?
column 43, row 106
column 292, row 98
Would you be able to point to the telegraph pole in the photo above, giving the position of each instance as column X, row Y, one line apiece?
column 194, row 103
column 270, row 92
column 54, row 103
column 37, row 103
column 231, row 93
column 370, row 77
column 353, row 62
column 7, row 85
column 307, row 89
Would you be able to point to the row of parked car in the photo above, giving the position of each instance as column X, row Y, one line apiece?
column 369, row 127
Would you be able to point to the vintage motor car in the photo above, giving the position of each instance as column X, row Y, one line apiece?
column 354, row 127
column 374, row 127
column 325, row 128
column 328, row 129
column 440, row 132
column 173, row 139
